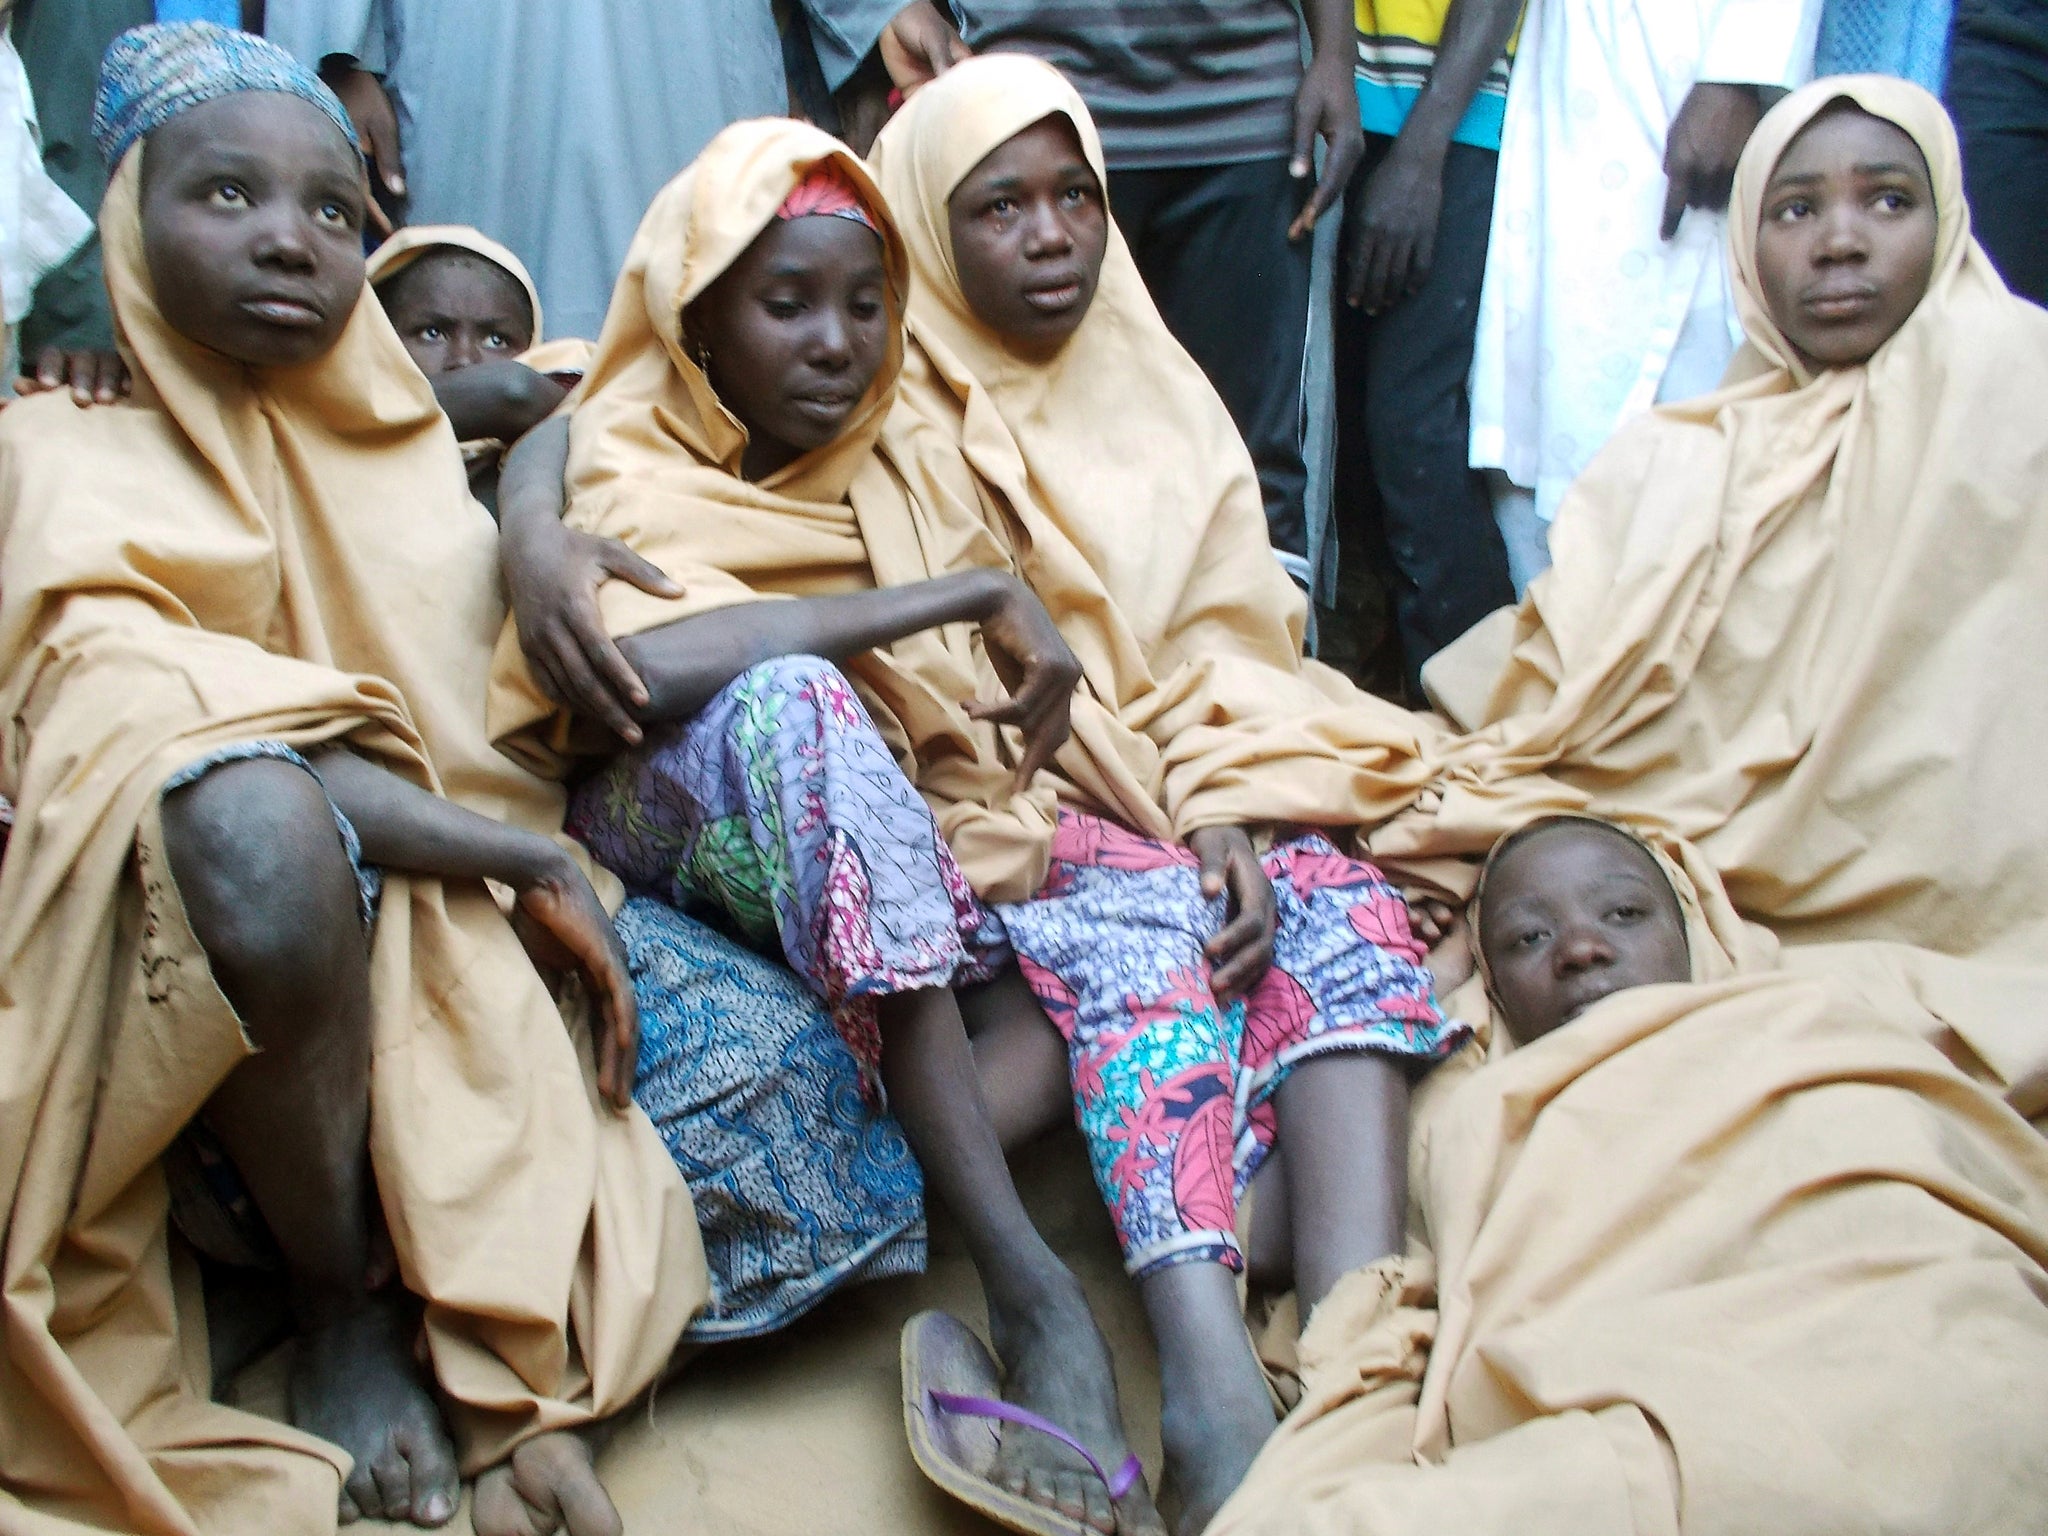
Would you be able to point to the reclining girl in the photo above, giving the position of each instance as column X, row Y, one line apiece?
column 739, row 430
column 248, row 909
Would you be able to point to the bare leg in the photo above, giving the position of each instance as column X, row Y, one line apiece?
column 1019, row 1058
column 1054, row 1358
column 1344, row 1121
column 272, row 899
column 1214, row 1411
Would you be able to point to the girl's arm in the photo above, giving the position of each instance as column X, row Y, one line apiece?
column 558, row 915
column 552, row 574
column 503, row 399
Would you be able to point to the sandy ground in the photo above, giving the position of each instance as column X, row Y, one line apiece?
column 803, row 1432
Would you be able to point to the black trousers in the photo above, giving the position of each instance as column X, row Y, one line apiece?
column 1998, row 94
column 1211, row 242
column 1404, row 424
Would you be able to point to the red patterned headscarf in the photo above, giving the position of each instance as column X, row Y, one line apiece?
column 826, row 189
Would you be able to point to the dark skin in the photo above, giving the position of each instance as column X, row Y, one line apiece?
column 1845, row 243
column 792, row 336
column 252, row 214
column 465, row 320
column 1575, row 912
column 1390, row 220
column 1029, row 230
column 1029, row 234
column 920, row 44
column 1704, row 146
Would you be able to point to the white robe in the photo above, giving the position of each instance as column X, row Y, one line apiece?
column 1587, row 317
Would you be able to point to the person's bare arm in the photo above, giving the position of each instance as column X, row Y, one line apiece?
column 553, row 573
column 685, row 663
column 1326, row 107
column 560, row 920
column 504, row 399
column 1390, row 242
column 1706, row 141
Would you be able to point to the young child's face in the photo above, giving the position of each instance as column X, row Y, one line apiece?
column 1029, row 231
column 1574, row 913
column 454, row 309
column 252, row 219
column 796, row 329
column 1845, row 247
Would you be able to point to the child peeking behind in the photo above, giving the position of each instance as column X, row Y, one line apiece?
column 470, row 317
column 1569, row 910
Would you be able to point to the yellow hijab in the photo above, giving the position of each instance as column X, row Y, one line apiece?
column 1118, row 439
column 654, row 462
column 1797, row 624
column 232, row 555
column 406, row 246
column 1130, row 499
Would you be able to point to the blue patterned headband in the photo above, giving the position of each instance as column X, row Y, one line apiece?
column 151, row 74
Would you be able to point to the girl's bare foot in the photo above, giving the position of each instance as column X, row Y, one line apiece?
column 355, row 1381
column 1056, row 1363
column 549, row 1484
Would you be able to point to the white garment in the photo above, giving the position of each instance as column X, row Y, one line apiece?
column 1584, row 306
column 550, row 124
column 39, row 225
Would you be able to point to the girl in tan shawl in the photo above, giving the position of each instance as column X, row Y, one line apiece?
column 243, row 652
column 1192, row 1030
column 469, row 315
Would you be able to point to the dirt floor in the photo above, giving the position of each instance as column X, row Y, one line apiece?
column 803, row 1432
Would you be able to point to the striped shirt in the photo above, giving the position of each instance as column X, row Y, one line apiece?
column 1397, row 50
column 1170, row 82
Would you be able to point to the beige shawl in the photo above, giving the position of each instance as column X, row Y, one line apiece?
column 233, row 555
column 1796, row 625
column 654, row 462
column 1132, row 498
column 1710, row 1259
column 571, row 354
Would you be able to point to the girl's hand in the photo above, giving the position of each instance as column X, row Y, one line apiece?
column 1429, row 916
column 1450, row 958
column 564, row 928
column 1039, row 669
column 552, row 574
column 1241, row 952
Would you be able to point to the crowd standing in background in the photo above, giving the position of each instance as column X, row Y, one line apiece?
column 638, row 638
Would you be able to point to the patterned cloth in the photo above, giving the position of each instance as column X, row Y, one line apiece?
column 153, row 73
column 780, row 808
column 800, row 1184
column 826, row 191
column 1173, row 1094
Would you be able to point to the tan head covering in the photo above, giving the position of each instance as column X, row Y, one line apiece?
column 1132, row 503
column 655, row 462
column 1798, row 623
column 406, row 246
column 239, row 554
column 1118, row 438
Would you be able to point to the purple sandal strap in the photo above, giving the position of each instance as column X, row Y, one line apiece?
column 1009, row 1413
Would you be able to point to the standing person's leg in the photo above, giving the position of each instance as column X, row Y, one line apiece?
column 1212, row 244
column 1998, row 94
column 780, row 804
column 1450, row 565
column 271, row 895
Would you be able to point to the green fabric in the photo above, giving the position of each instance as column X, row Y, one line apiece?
column 60, row 43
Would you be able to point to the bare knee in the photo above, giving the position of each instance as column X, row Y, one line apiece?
column 260, row 867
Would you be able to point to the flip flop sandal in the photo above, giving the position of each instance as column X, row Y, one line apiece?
column 951, row 1412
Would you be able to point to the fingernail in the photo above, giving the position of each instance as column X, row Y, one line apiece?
column 438, row 1508
column 1298, row 169
column 397, row 184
